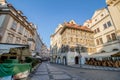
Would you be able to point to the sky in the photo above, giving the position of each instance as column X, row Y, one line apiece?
column 47, row 14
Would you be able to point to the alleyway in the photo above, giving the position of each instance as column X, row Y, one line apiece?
column 59, row 72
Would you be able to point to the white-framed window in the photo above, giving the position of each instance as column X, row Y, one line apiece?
column 111, row 37
column 24, row 42
column 14, row 25
column 21, row 29
column 9, row 38
column 107, row 24
column 18, row 39
column 25, row 33
column 2, row 17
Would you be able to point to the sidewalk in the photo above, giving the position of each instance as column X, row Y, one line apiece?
column 94, row 67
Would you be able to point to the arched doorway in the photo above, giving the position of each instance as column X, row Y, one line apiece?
column 76, row 60
column 64, row 60
column 59, row 61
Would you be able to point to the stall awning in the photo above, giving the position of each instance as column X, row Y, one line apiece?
column 116, row 55
column 97, row 55
column 4, row 47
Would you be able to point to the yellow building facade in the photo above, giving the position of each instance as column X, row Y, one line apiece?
column 73, row 34
column 67, row 37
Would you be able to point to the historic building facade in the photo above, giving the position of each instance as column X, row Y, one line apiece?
column 72, row 36
column 114, row 10
column 105, row 37
column 15, row 28
column 55, row 43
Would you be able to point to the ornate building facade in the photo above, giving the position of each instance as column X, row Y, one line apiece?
column 114, row 10
column 105, row 37
column 16, row 29
column 68, row 37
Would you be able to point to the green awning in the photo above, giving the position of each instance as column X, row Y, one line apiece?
column 7, row 69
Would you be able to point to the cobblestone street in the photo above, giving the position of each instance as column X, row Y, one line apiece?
column 48, row 71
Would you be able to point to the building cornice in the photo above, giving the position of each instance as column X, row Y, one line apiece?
column 66, row 27
column 17, row 15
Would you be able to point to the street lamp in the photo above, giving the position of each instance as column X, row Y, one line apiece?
column 78, row 50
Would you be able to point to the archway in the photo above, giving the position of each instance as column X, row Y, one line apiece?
column 76, row 60
column 64, row 60
column 59, row 60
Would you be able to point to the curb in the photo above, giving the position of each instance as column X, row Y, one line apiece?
column 92, row 68
column 105, row 69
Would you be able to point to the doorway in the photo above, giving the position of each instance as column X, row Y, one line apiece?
column 76, row 60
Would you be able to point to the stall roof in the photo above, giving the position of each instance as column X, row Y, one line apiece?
column 5, row 47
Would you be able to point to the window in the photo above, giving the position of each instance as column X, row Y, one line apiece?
column 113, row 36
column 101, row 41
column 10, row 38
column 95, row 31
column 102, row 15
column 2, row 17
column 18, row 40
column 98, row 30
column 97, row 41
column 14, row 25
column 20, row 29
column 24, row 42
column 105, row 26
column 108, row 38
column 25, row 33
column 109, row 24
column 95, row 19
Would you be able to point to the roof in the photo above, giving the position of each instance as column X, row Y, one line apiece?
column 75, row 26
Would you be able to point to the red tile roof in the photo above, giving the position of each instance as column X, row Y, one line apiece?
column 76, row 26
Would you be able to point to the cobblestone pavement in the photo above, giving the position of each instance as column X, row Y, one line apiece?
column 59, row 72
column 47, row 72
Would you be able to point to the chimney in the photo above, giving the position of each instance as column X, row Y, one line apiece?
column 2, row 2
